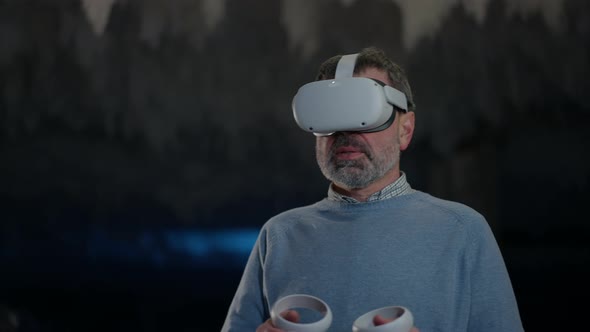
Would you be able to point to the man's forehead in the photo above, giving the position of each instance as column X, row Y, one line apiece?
column 375, row 73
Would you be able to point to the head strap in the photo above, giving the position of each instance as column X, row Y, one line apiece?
column 345, row 66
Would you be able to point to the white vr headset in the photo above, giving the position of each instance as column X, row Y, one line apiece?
column 346, row 103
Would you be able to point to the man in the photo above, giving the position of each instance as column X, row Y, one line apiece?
column 374, row 241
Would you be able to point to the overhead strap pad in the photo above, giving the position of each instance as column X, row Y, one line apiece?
column 345, row 66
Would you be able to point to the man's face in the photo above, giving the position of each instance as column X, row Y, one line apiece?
column 354, row 160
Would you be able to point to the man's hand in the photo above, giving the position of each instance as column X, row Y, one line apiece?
column 290, row 315
column 378, row 320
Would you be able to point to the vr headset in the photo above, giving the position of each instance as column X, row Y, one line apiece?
column 346, row 103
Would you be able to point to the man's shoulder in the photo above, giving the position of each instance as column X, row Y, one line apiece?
column 433, row 204
column 297, row 212
column 285, row 221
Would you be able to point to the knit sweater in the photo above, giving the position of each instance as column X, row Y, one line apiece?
column 437, row 258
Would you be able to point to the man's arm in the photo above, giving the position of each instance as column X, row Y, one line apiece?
column 493, row 303
column 248, row 307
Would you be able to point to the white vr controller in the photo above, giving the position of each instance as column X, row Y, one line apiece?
column 403, row 320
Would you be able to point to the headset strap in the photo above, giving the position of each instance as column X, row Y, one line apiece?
column 345, row 66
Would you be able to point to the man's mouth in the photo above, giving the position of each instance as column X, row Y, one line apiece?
column 348, row 153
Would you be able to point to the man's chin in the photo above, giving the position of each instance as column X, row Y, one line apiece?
column 349, row 177
column 352, row 164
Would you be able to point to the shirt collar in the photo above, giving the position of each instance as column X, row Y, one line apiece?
column 397, row 188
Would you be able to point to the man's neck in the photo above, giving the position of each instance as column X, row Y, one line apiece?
column 362, row 194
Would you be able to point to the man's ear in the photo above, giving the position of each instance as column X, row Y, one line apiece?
column 406, row 129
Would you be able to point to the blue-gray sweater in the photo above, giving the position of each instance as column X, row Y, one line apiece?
column 435, row 257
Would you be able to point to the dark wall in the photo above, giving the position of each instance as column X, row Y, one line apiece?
column 138, row 163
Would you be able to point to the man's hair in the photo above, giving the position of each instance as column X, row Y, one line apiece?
column 372, row 57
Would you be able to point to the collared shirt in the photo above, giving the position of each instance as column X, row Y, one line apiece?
column 398, row 188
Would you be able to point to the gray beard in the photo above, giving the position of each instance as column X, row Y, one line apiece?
column 358, row 173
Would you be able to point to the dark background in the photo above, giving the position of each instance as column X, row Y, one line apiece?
column 139, row 158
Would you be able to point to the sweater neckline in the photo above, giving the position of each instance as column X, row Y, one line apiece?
column 360, row 206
